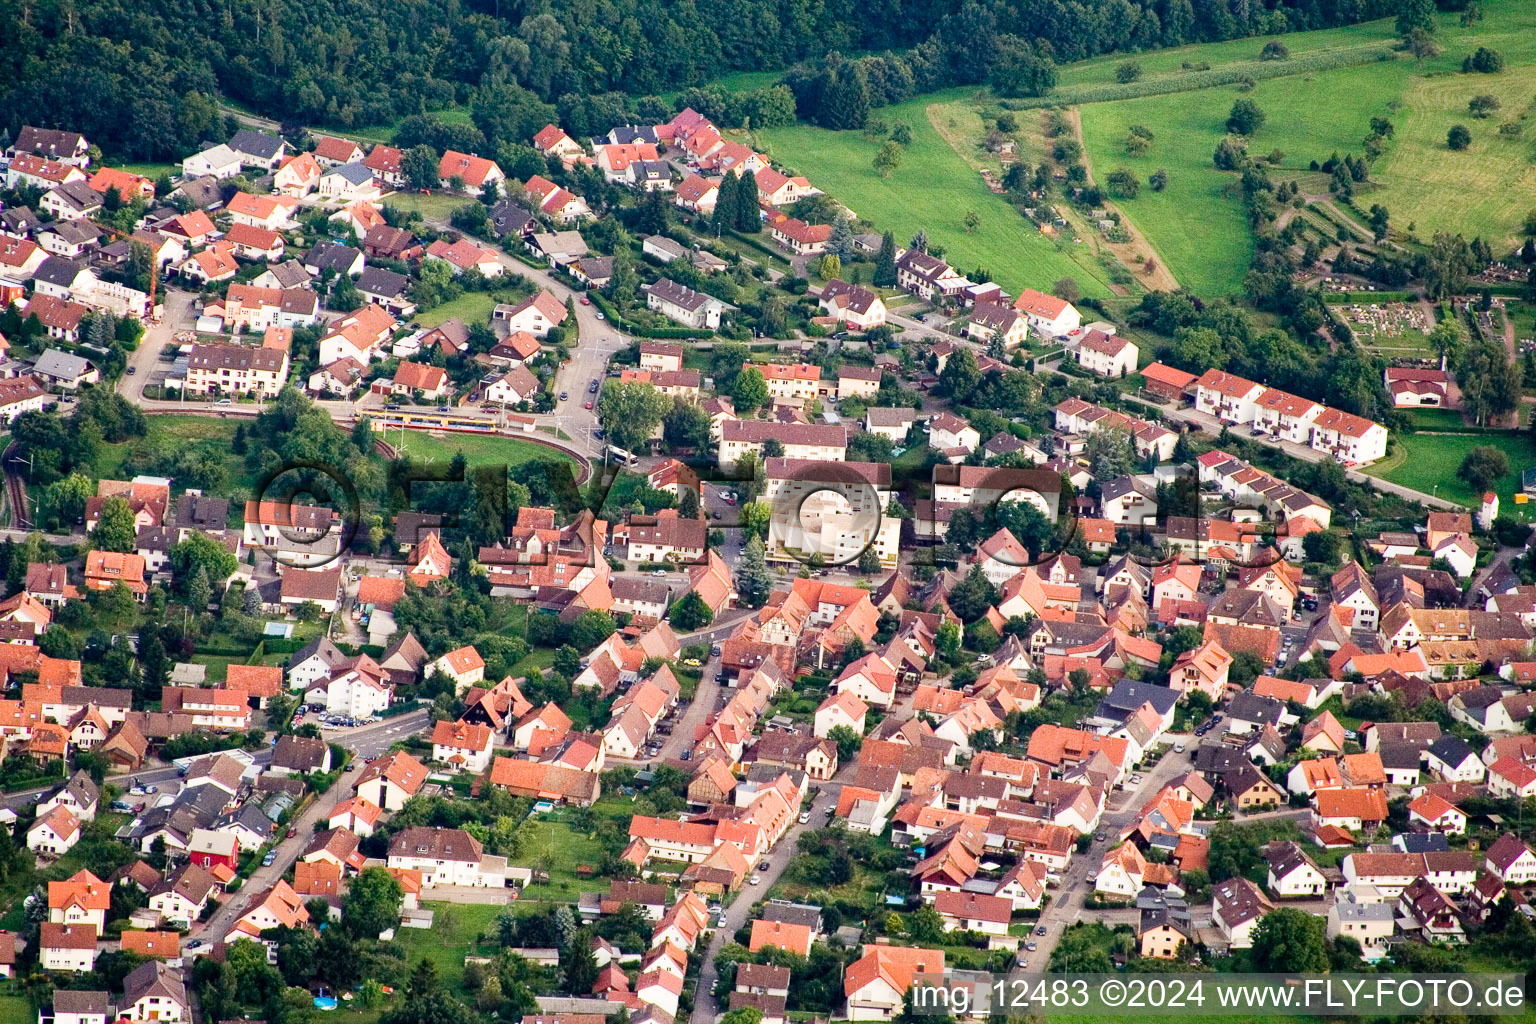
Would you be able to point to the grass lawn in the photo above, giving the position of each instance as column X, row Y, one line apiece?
column 1436, row 419
column 1199, row 227
column 150, row 171
column 16, row 1010
column 455, row 928
column 437, row 206
column 471, row 307
column 563, row 848
column 1169, row 62
column 169, row 433
column 1428, row 462
column 932, row 190
column 479, row 449
column 1196, row 225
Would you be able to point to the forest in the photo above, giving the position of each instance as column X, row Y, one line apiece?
column 145, row 81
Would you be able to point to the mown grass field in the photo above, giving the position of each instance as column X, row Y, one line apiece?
column 1428, row 462
column 932, row 190
column 1169, row 62
column 471, row 307
column 479, row 449
column 1197, row 225
column 1485, row 190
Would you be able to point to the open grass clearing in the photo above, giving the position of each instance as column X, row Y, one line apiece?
column 479, row 449
column 1198, row 223
column 455, row 930
column 436, row 206
column 1428, row 462
column 1485, row 190
column 932, row 190
column 471, row 308
column 171, row 433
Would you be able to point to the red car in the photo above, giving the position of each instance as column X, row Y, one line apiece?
column 586, row 301
column 588, row 405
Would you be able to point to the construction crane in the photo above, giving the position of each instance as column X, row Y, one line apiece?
column 154, row 265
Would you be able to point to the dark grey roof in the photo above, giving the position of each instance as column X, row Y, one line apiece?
column 1130, row 694
column 289, row 274
column 80, row 194
column 201, row 512
column 1250, row 707
column 670, row 291
column 1401, row 754
column 356, row 174
column 1451, row 749
column 332, row 255
column 75, row 1000
column 204, row 192
column 383, row 282
column 509, row 218
column 257, row 144
column 1421, row 842
column 628, row 134
column 78, row 232
column 793, row 913
column 58, row 270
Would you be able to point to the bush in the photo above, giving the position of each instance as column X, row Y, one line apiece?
column 1275, row 50
column 1128, row 72
column 1458, row 138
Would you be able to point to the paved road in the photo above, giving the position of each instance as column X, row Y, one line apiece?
column 1066, row 904
column 1212, row 425
column 366, row 741
column 705, row 1007
column 179, row 316
column 597, row 341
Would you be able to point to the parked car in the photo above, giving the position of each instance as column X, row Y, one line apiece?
column 805, row 817
column 586, row 301
column 755, row 880
column 271, row 856
column 132, row 370
column 587, row 405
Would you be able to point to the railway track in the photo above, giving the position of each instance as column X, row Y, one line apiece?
column 16, row 491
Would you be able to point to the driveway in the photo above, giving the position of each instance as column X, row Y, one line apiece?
column 705, row 1006
column 1066, row 904
column 366, row 741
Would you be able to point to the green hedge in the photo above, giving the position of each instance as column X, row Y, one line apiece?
column 1188, row 81
column 1351, row 298
column 619, row 321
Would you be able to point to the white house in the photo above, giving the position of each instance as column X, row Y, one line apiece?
column 1049, row 316
column 218, row 162
column 463, row 745
column 840, row 709
column 1107, row 355
column 444, row 856
column 55, row 833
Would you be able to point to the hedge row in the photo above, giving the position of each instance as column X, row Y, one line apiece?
column 1304, row 64
column 618, row 320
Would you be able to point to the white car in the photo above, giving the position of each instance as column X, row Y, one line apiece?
column 805, row 817
column 755, row 880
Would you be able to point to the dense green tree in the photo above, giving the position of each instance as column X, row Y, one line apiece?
column 690, row 613
column 1290, row 941
column 1245, row 118
column 1458, row 137
column 885, row 262
column 750, row 391
column 754, row 581
column 630, row 411
column 114, row 530
column 1482, row 466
